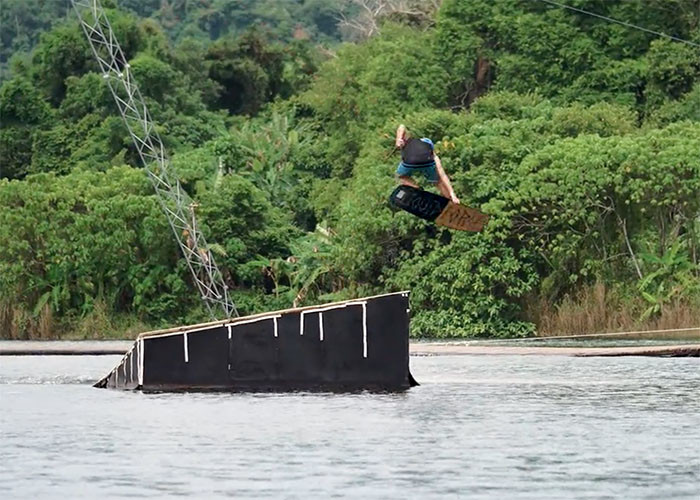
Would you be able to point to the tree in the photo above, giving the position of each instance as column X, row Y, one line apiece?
column 103, row 241
column 22, row 111
column 249, row 69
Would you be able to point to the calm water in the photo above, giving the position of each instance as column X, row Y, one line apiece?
column 479, row 427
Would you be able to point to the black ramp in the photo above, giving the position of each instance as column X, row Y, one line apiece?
column 387, row 342
column 349, row 345
column 206, row 364
column 163, row 360
column 299, row 355
column 343, row 346
column 253, row 352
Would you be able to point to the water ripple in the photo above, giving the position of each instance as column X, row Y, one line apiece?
column 479, row 427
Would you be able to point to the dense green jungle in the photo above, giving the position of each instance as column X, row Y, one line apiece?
column 580, row 137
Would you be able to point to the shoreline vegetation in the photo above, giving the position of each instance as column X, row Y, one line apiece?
column 577, row 321
column 578, row 137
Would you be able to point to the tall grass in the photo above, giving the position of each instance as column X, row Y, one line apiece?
column 597, row 309
column 17, row 323
column 101, row 324
column 594, row 309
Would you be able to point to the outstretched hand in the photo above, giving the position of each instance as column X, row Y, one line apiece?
column 401, row 136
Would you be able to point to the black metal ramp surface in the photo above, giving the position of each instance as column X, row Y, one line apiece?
column 351, row 345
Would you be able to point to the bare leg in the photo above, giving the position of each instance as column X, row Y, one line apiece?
column 407, row 181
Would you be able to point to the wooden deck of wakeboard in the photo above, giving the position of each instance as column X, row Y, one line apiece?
column 438, row 209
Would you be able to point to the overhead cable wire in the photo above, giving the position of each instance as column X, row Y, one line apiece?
column 623, row 23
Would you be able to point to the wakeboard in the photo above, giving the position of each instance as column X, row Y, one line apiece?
column 438, row 209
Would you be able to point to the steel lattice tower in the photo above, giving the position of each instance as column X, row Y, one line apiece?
column 175, row 202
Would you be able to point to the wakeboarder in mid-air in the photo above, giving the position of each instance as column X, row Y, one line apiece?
column 418, row 157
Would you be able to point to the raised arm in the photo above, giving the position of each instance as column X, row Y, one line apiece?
column 400, row 136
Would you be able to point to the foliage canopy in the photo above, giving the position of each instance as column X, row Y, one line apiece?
column 577, row 136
